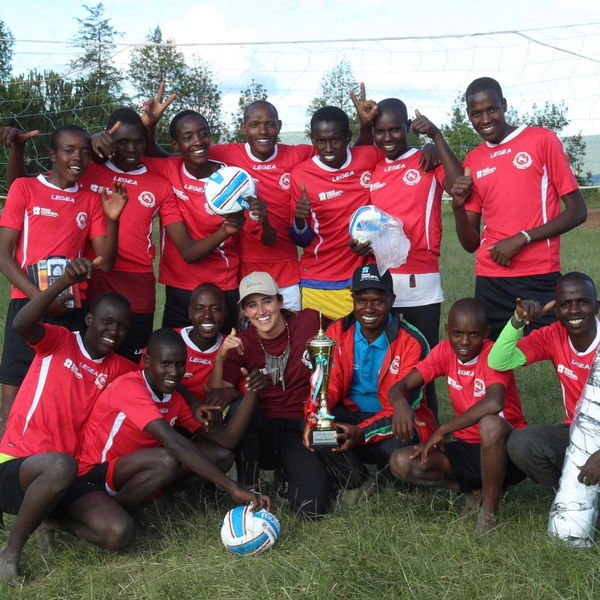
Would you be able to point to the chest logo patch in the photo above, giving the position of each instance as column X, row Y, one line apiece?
column 284, row 181
column 411, row 177
column 522, row 160
column 365, row 179
column 81, row 220
column 478, row 388
column 147, row 199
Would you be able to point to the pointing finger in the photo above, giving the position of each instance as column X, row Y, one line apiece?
column 363, row 94
column 29, row 134
column 160, row 92
column 548, row 306
column 467, row 171
column 114, row 128
column 417, row 113
column 97, row 260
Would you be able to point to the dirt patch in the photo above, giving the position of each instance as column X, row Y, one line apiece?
column 593, row 219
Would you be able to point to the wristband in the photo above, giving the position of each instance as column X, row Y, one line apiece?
column 296, row 227
column 528, row 239
column 518, row 319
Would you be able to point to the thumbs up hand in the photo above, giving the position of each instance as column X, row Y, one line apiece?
column 461, row 189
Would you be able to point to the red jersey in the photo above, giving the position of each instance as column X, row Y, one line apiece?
column 272, row 179
column 517, row 185
column 133, row 273
column 275, row 402
column 219, row 266
column 117, row 422
column 51, row 221
column 402, row 190
column 334, row 194
column 57, row 394
column 149, row 195
column 467, row 384
column 572, row 368
column 199, row 364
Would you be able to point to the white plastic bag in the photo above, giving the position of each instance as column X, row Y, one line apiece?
column 385, row 234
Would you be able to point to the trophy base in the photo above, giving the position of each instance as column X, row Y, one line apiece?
column 323, row 439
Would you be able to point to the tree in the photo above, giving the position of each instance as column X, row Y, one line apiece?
column 336, row 86
column 6, row 52
column 575, row 150
column 193, row 86
column 459, row 134
column 200, row 92
column 96, row 38
column 42, row 100
column 251, row 93
column 160, row 61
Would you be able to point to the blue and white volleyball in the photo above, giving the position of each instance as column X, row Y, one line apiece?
column 245, row 532
column 227, row 189
column 367, row 222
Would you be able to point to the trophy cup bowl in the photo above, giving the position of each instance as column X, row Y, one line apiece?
column 320, row 349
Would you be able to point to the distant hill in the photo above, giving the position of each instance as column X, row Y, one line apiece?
column 592, row 156
column 295, row 137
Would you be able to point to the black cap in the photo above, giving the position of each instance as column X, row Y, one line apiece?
column 368, row 277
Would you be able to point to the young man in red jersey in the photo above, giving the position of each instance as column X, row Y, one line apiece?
column 327, row 189
column 571, row 343
column 486, row 406
column 203, row 338
column 217, row 256
column 129, row 442
column 67, row 374
column 403, row 189
column 150, row 196
column 269, row 164
column 51, row 216
column 516, row 179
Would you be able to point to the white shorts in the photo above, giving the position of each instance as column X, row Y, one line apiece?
column 291, row 297
column 426, row 289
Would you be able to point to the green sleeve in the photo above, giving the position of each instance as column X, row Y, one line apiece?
column 505, row 355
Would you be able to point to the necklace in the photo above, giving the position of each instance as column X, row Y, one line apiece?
column 275, row 365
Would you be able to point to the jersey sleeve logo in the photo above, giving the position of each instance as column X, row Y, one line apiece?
column 81, row 220
column 522, row 160
column 147, row 199
column 395, row 366
column 284, row 181
column 411, row 177
column 365, row 179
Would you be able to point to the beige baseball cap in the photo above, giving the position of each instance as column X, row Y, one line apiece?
column 258, row 282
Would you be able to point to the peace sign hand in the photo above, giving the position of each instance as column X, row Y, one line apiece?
column 365, row 109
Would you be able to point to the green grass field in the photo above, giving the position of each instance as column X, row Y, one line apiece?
column 413, row 545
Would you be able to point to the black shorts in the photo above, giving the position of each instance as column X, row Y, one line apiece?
column 11, row 492
column 177, row 301
column 93, row 481
column 17, row 354
column 498, row 295
column 465, row 462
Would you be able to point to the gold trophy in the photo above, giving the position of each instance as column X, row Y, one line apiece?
column 320, row 349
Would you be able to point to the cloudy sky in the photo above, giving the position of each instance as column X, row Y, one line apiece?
column 433, row 55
